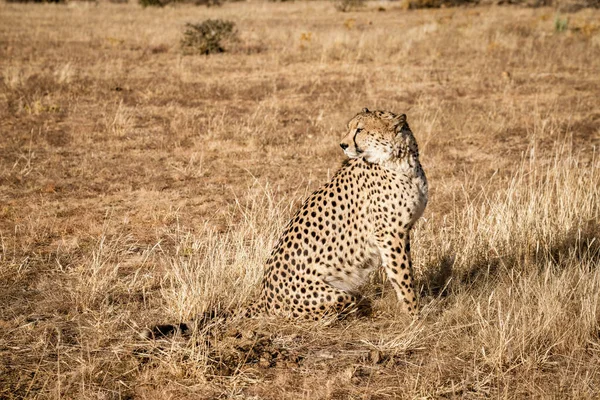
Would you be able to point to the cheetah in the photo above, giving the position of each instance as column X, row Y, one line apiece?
column 357, row 222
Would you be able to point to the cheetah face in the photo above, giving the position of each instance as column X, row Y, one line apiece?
column 378, row 136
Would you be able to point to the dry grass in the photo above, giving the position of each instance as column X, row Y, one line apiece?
column 138, row 185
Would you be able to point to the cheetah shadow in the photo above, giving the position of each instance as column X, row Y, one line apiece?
column 441, row 278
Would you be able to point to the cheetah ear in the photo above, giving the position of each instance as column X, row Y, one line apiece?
column 400, row 123
column 400, row 119
column 365, row 110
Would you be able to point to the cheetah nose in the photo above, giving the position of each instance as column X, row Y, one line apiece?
column 344, row 146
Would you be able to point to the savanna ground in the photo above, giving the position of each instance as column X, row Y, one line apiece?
column 139, row 186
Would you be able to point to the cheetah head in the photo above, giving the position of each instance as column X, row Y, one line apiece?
column 379, row 136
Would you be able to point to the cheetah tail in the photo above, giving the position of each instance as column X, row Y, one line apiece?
column 164, row 330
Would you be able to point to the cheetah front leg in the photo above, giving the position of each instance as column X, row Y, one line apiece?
column 395, row 257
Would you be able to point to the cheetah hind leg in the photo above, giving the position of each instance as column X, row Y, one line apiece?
column 333, row 301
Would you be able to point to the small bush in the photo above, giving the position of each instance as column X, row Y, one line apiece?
column 349, row 5
column 162, row 3
column 154, row 3
column 37, row 1
column 207, row 37
column 207, row 3
column 415, row 4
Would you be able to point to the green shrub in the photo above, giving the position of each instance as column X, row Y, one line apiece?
column 208, row 36
column 349, row 5
column 154, row 3
column 415, row 4
column 37, row 1
column 162, row 3
column 207, row 3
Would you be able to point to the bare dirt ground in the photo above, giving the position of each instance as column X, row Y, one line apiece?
column 139, row 186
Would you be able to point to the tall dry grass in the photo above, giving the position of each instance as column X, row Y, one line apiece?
column 515, row 310
column 140, row 186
